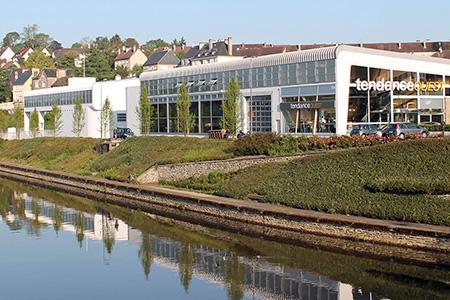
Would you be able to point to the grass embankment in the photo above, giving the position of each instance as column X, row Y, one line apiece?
column 390, row 181
column 134, row 155
column 74, row 155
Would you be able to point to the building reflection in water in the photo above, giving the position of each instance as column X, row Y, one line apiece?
column 253, row 277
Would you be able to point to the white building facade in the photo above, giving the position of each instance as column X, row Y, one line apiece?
column 320, row 91
column 92, row 95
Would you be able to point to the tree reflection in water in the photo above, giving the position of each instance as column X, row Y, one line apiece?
column 80, row 227
column 235, row 278
column 146, row 253
column 187, row 256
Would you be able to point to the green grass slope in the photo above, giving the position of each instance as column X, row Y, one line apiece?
column 137, row 154
column 73, row 155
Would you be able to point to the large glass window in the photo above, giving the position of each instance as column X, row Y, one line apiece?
column 407, row 77
column 358, row 72
column 358, row 106
column 380, row 106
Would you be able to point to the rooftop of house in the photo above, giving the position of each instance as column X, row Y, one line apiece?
column 23, row 77
column 64, row 51
column 211, row 49
column 165, row 57
column 127, row 53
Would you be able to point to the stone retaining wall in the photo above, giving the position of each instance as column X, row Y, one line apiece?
column 275, row 223
column 195, row 169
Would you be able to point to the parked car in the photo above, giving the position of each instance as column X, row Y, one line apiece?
column 365, row 129
column 403, row 129
column 122, row 133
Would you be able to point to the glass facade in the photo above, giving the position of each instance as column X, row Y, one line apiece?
column 67, row 98
column 206, row 92
column 373, row 104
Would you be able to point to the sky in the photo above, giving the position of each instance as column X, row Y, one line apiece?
column 246, row 21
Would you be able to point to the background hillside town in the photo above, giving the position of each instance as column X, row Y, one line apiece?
column 39, row 75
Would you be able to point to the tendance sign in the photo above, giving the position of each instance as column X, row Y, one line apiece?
column 386, row 86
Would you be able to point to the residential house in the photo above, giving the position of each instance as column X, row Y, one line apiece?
column 20, row 86
column 161, row 60
column 78, row 53
column 129, row 58
column 211, row 52
column 6, row 54
column 50, row 77
column 47, row 52
column 24, row 53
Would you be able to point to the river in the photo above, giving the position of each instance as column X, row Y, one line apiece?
column 58, row 246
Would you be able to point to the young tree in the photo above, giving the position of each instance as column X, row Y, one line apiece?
column 55, row 120
column 231, row 106
column 122, row 71
column 5, row 86
column 137, row 70
column 106, row 118
column 185, row 118
column 18, row 121
column 78, row 118
column 145, row 111
column 3, row 121
column 34, row 123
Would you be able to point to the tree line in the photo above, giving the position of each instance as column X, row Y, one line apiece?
column 99, row 52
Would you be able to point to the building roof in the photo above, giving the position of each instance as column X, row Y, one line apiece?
column 204, row 51
column 23, row 78
column 22, row 52
column 269, row 60
column 127, row 54
column 165, row 57
column 61, row 52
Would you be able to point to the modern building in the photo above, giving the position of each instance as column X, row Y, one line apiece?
column 317, row 91
column 92, row 95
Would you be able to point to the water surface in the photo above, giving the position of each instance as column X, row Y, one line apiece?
column 57, row 246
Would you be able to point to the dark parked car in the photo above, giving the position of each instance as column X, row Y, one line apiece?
column 403, row 129
column 365, row 129
column 122, row 133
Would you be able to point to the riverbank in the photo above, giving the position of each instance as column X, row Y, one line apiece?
column 282, row 224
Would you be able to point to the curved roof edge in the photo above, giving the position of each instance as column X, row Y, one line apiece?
column 401, row 55
column 255, row 62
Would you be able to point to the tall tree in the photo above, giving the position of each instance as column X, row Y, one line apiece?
column 231, row 106
column 116, row 43
column 131, row 42
column 39, row 60
column 11, row 39
column 18, row 121
column 185, row 118
column 34, row 123
column 29, row 33
column 145, row 111
column 55, row 45
column 5, row 86
column 102, row 43
column 100, row 65
column 41, row 40
column 55, row 120
column 106, row 118
column 78, row 118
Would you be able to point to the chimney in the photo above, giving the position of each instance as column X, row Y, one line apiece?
column 264, row 45
column 230, row 46
column 134, row 48
column 299, row 47
column 399, row 45
column 182, row 46
column 123, row 48
column 210, row 44
column 361, row 45
column 16, row 75
column 174, row 47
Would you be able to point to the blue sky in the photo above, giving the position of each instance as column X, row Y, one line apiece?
column 249, row 21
